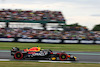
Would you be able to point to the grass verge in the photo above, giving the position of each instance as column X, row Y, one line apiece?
column 37, row 64
column 56, row 47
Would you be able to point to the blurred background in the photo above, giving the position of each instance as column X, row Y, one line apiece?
column 83, row 12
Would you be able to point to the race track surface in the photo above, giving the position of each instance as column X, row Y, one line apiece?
column 82, row 57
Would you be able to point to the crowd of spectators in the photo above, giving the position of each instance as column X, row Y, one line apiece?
column 87, row 35
column 45, row 15
column 76, row 28
column 33, row 33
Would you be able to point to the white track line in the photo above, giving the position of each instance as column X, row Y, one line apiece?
column 4, row 59
column 56, row 61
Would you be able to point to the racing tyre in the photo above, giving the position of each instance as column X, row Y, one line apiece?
column 63, row 56
column 18, row 55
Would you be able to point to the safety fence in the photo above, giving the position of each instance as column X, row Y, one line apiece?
column 58, row 41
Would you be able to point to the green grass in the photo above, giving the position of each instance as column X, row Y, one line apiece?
column 36, row 64
column 56, row 47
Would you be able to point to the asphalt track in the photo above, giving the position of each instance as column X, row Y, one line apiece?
column 82, row 57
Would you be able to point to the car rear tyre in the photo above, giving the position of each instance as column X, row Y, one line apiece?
column 18, row 55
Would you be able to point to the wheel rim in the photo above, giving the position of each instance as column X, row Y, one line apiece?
column 63, row 57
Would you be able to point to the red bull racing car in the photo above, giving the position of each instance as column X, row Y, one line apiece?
column 38, row 53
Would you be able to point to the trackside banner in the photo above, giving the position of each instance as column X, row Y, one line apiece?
column 27, row 40
column 63, row 41
column 7, row 39
column 71, row 41
column 51, row 41
column 87, row 41
column 97, row 42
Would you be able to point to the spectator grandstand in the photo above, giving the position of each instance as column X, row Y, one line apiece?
column 69, row 32
column 45, row 15
column 48, row 34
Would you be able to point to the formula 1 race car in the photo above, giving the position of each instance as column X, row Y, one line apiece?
column 38, row 53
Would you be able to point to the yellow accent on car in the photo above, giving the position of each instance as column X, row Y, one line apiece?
column 39, row 48
column 53, row 58
column 27, row 50
column 75, row 57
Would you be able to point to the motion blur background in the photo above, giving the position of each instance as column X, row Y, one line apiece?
column 84, row 12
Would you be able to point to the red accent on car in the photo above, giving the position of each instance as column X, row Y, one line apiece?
column 33, row 49
column 58, row 53
column 13, row 49
column 51, row 52
column 17, row 57
column 25, row 50
column 31, row 52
